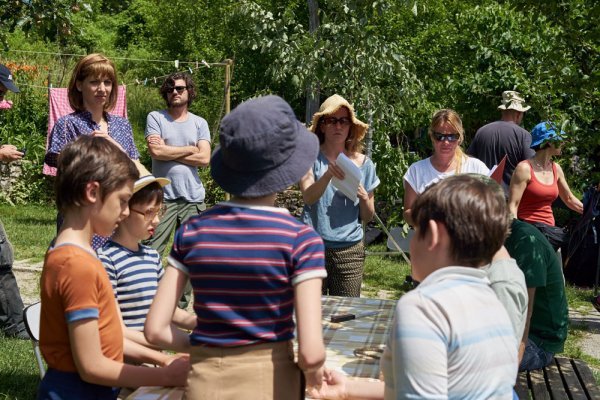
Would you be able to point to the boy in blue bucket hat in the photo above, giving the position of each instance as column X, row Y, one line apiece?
column 251, row 265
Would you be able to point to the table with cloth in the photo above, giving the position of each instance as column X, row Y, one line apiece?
column 353, row 347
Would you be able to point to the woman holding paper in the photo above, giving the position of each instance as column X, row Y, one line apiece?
column 447, row 134
column 338, row 194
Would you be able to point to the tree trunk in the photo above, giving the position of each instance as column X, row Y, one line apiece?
column 312, row 89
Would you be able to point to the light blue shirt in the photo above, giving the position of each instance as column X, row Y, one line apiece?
column 185, row 182
column 334, row 216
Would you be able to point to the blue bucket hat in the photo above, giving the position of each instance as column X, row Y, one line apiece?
column 544, row 132
column 263, row 148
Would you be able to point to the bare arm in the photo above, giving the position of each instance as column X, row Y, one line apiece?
column 184, row 319
column 518, row 183
column 531, row 294
column 311, row 350
column 200, row 158
column 366, row 204
column 159, row 329
column 94, row 367
column 313, row 190
column 409, row 198
column 160, row 151
column 9, row 153
column 338, row 387
column 565, row 193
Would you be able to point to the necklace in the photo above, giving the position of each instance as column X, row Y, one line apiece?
column 540, row 165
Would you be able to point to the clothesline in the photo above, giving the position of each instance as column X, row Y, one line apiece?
column 137, row 81
column 175, row 62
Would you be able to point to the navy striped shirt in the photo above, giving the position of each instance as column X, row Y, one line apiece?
column 134, row 276
column 243, row 263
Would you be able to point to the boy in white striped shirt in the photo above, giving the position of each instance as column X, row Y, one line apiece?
column 134, row 269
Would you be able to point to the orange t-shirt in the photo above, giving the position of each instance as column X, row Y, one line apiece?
column 74, row 287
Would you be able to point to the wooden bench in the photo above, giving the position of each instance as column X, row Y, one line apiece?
column 565, row 378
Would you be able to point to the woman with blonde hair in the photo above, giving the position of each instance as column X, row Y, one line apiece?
column 334, row 216
column 447, row 134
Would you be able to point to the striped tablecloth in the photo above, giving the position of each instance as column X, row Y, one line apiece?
column 353, row 347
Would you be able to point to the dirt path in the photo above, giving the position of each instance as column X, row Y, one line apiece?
column 28, row 278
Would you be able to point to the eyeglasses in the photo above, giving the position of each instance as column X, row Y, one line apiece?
column 150, row 214
column 451, row 137
column 179, row 89
column 332, row 121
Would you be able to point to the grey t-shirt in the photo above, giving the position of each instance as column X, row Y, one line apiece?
column 499, row 138
column 185, row 182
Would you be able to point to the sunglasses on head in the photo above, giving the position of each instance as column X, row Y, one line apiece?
column 344, row 121
column 179, row 89
column 450, row 137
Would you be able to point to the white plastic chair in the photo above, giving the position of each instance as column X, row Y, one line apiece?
column 31, row 318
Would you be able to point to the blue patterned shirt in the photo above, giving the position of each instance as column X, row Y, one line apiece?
column 73, row 125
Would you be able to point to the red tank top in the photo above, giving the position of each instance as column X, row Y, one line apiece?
column 536, row 203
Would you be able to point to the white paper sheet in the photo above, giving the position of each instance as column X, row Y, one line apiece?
column 352, row 176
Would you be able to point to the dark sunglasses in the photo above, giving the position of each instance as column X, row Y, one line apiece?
column 179, row 89
column 344, row 121
column 451, row 137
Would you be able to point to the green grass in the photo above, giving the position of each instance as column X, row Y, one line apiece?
column 19, row 374
column 30, row 228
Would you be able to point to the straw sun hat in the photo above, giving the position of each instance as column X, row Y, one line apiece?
column 330, row 106
column 146, row 178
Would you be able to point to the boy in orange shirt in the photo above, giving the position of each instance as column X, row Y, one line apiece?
column 81, row 336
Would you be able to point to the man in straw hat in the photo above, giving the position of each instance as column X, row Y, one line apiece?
column 11, row 305
column 504, row 137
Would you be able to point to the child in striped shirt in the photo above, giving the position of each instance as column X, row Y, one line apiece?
column 252, row 266
column 134, row 269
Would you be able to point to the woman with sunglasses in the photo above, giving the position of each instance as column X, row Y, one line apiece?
column 537, row 182
column 334, row 216
column 447, row 134
column 92, row 94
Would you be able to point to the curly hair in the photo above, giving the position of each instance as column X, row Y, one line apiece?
column 169, row 84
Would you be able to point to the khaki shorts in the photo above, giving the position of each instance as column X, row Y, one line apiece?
column 260, row 372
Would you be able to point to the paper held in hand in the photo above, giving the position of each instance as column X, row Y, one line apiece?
column 352, row 176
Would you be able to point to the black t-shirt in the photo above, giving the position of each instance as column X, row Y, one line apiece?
column 497, row 139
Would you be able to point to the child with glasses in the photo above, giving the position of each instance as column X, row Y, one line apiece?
column 81, row 335
column 135, row 269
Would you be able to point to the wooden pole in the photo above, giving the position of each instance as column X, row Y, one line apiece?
column 228, row 64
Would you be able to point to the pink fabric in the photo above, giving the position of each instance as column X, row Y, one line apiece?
column 58, row 102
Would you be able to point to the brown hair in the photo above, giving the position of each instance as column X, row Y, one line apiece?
column 353, row 143
column 452, row 118
column 474, row 213
column 169, row 83
column 95, row 65
column 90, row 159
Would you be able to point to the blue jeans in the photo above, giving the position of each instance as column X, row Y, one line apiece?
column 58, row 385
column 534, row 357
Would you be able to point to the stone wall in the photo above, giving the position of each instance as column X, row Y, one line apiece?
column 292, row 200
column 9, row 174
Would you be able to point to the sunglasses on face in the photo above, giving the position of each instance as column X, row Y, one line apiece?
column 332, row 121
column 179, row 89
column 150, row 214
column 450, row 137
